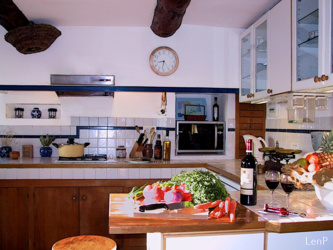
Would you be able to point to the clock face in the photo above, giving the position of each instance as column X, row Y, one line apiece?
column 164, row 61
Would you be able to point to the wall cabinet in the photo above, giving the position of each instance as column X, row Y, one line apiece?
column 265, row 55
column 254, row 61
column 312, row 44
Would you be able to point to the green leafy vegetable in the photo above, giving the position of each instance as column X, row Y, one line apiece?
column 203, row 185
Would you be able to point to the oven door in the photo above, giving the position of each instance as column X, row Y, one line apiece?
column 200, row 137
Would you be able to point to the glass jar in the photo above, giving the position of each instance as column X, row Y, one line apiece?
column 121, row 152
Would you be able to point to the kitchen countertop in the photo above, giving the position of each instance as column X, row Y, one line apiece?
column 300, row 201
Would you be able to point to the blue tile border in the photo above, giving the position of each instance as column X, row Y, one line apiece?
column 78, row 128
column 297, row 131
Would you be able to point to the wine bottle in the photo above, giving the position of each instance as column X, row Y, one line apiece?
column 166, row 148
column 248, row 184
column 158, row 148
column 215, row 110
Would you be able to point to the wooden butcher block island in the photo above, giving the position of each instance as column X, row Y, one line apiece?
column 122, row 220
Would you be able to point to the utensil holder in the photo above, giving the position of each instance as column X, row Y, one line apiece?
column 136, row 151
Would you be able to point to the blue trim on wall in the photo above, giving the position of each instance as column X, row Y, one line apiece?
column 116, row 88
column 78, row 128
column 297, row 131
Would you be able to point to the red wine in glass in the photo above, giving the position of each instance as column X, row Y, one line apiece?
column 271, row 184
column 288, row 187
column 272, row 179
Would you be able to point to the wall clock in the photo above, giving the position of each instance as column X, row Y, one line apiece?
column 163, row 61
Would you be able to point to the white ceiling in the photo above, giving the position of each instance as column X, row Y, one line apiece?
column 139, row 13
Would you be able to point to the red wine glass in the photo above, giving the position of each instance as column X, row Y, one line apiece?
column 288, row 185
column 272, row 179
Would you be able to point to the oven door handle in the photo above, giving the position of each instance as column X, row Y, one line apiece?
column 215, row 146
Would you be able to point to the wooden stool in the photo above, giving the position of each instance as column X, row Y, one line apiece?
column 85, row 242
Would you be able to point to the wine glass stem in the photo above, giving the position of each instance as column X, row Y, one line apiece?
column 272, row 197
column 287, row 200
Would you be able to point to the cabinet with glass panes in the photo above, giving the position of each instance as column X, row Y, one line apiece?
column 253, row 80
column 312, row 43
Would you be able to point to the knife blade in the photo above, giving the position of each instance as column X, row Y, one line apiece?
column 170, row 206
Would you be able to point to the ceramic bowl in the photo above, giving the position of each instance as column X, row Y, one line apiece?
column 325, row 195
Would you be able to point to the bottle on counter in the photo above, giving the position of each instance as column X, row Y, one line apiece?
column 248, row 183
column 166, row 148
column 215, row 110
column 158, row 148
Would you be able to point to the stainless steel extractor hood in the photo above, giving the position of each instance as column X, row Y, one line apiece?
column 84, row 85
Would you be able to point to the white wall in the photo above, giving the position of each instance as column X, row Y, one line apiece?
column 208, row 58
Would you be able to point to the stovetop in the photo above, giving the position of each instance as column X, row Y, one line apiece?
column 86, row 159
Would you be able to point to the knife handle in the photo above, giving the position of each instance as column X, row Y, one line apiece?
column 153, row 207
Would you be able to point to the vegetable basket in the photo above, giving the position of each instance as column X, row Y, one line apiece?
column 195, row 113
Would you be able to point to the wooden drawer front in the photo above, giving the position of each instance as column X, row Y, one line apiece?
column 259, row 113
column 255, row 126
column 255, row 133
column 246, row 106
column 251, row 120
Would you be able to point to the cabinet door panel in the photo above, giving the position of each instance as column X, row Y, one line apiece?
column 14, row 218
column 251, row 120
column 94, row 209
column 56, row 215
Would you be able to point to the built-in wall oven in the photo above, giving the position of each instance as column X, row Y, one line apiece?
column 200, row 137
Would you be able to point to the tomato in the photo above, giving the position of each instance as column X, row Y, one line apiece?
column 312, row 159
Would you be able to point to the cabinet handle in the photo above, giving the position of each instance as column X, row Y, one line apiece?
column 269, row 91
column 316, row 79
column 84, row 198
column 324, row 78
column 74, row 197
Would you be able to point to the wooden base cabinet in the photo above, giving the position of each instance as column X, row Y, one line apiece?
column 56, row 215
column 14, row 218
column 34, row 214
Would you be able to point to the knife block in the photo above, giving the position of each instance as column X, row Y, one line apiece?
column 136, row 151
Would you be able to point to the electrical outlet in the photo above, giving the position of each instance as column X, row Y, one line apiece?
column 295, row 145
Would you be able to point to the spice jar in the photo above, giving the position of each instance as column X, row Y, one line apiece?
column 121, row 152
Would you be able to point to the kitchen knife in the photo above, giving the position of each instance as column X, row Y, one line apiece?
column 170, row 206
column 140, row 139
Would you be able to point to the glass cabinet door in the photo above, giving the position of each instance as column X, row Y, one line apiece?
column 246, row 52
column 261, row 57
column 307, row 34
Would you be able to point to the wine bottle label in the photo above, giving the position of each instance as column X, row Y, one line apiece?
column 246, row 182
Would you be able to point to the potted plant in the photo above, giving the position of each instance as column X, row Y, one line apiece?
column 45, row 150
column 6, row 138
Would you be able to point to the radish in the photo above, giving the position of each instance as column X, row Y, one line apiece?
column 146, row 190
column 173, row 196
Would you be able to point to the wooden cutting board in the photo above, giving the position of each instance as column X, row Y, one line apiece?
column 126, row 207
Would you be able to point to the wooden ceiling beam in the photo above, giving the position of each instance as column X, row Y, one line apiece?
column 168, row 16
column 11, row 16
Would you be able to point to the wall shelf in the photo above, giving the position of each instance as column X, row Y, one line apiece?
column 10, row 112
